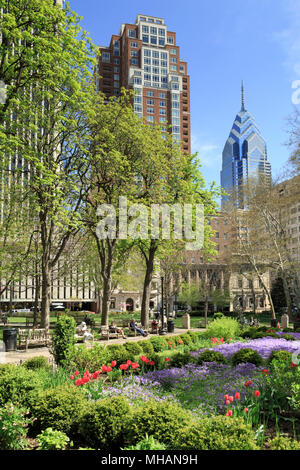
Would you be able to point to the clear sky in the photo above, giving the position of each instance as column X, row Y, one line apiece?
column 223, row 42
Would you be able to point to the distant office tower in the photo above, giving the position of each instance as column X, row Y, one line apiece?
column 244, row 154
column 144, row 57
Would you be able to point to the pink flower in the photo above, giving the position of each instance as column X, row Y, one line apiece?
column 227, row 402
column 76, row 373
column 230, row 398
column 104, row 368
column 229, row 413
column 226, row 397
column 237, row 395
column 246, row 410
column 113, row 363
column 72, row 377
column 128, row 362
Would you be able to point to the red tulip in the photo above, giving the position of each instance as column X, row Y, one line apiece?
column 109, row 369
column 237, row 395
column 151, row 363
column 128, row 362
column 72, row 377
column 124, row 366
column 104, row 368
column 78, row 382
column 76, row 373
column 167, row 359
column 226, row 397
column 229, row 413
column 257, row 393
column 230, row 398
column 134, row 365
column 227, row 402
column 113, row 363
column 246, row 410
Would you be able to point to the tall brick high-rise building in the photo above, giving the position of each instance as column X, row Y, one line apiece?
column 144, row 57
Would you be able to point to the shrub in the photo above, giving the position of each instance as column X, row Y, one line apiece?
column 148, row 443
column 83, row 358
column 216, row 433
column 13, row 427
column 211, row 356
column 63, row 339
column 133, row 349
column 218, row 315
column 159, row 344
column 146, row 346
column 105, row 424
column 246, row 355
column 117, row 352
column 287, row 330
column 288, row 337
column 223, row 328
column 281, row 355
column 161, row 422
column 187, row 339
column 283, row 443
column 18, row 384
column 59, row 408
column 180, row 359
column 39, row 362
column 52, row 440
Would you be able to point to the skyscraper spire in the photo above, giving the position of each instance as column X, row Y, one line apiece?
column 243, row 97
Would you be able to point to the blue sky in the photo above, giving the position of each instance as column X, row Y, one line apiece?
column 223, row 42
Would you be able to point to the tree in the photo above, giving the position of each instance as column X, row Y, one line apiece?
column 27, row 31
column 48, row 131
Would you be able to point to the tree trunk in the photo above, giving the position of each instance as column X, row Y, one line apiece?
column 287, row 295
column 147, row 286
column 36, row 296
column 105, row 300
column 46, row 286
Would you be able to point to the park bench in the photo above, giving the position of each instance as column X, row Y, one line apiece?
column 106, row 333
column 38, row 336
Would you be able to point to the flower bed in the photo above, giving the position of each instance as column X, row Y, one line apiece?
column 264, row 346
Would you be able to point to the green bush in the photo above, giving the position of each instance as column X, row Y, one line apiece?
column 63, row 339
column 117, row 352
column 148, row 443
column 83, row 358
column 246, row 355
column 281, row 355
column 18, row 385
column 283, row 443
column 218, row 315
column 215, row 433
column 163, row 422
column 187, row 339
column 211, row 356
column 133, row 349
column 159, row 344
column 223, row 328
column 159, row 362
column 59, row 408
column 105, row 424
column 13, row 427
column 288, row 337
column 35, row 363
column 180, row 359
column 146, row 346
column 52, row 440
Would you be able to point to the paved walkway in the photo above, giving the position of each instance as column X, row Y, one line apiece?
column 16, row 357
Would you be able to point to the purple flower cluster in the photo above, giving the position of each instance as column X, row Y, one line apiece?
column 138, row 389
column 202, row 388
column 264, row 346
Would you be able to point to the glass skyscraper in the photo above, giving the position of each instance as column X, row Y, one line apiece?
column 244, row 154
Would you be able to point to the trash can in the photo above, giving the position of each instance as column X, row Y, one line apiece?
column 10, row 339
column 170, row 326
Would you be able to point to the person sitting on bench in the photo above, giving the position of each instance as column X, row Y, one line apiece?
column 114, row 329
column 134, row 326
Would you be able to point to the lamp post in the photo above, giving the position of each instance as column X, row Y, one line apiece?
column 162, row 330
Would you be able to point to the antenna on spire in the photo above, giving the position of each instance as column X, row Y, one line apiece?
column 243, row 97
